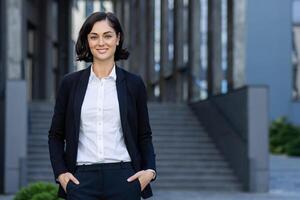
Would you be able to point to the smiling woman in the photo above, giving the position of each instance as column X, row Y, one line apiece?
column 100, row 140
column 103, row 41
column 95, row 28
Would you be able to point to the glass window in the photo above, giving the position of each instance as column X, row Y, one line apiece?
column 171, row 30
column 89, row 7
column 157, row 32
column 224, row 45
column 202, row 82
column 185, row 31
column 29, row 63
column 296, row 49
column 296, row 12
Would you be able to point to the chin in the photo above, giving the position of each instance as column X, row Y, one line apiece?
column 103, row 58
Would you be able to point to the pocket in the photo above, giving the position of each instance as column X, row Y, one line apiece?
column 138, row 185
column 68, row 186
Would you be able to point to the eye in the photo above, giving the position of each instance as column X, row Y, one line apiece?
column 107, row 36
column 93, row 37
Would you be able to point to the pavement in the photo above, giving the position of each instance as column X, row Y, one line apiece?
column 284, row 185
column 194, row 195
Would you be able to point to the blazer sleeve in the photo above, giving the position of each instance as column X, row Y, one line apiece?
column 144, row 131
column 56, row 136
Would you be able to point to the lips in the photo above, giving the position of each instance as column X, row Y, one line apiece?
column 102, row 51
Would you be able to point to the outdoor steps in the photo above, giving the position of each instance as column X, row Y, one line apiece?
column 186, row 156
column 38, row 161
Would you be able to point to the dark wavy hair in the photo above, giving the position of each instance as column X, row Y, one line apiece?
column 82, row 47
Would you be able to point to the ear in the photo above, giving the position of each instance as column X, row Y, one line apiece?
column 118, row 39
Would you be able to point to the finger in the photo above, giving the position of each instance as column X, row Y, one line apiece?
column 74, row 179
column 133, row 177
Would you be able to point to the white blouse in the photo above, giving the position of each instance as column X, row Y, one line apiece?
column 101, row 137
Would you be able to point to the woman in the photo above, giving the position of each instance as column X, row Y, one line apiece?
column 100, row 139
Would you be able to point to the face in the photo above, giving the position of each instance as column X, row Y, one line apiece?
column 103, row 41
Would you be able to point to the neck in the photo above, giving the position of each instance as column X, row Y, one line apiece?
column 103, row 68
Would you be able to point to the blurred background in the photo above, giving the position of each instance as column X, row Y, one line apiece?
column 222, row 76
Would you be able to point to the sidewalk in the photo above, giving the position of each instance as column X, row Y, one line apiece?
column 189, row 195
column 6, row 197
column 284, row 185
column 285, row 174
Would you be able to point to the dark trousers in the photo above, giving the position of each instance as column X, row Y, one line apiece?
column 107, row 181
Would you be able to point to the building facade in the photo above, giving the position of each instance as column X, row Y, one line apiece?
column 185, row 50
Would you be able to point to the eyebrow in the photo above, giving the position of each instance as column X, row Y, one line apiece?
column 103, row 33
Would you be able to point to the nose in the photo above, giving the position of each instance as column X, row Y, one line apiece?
column 101, row 41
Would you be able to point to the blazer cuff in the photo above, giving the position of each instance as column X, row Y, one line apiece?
column 154, row 173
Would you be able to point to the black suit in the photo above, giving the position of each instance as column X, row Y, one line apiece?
column 64, row 130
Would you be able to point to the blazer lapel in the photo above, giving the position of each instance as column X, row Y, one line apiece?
column 122, row 97
column 79, row 96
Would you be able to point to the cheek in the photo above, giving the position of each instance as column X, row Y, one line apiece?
column 114, row 45
column 91, row 44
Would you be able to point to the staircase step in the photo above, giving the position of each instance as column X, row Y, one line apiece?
column 186, row 157
column 192, row 185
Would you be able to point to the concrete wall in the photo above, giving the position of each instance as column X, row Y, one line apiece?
column 13, row 102
column 2, row 90
column 241, row 133
column 268, row 52
column 16, row 134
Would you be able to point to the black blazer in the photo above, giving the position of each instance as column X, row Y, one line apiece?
column 64, row 131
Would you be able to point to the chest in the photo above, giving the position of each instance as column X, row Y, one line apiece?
column 101, row 101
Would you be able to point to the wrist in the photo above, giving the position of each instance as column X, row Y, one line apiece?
column 153, row 173
column 60, row 177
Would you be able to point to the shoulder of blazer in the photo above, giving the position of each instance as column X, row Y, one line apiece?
column 134, row 82
column 73, row 77
column 131, row 78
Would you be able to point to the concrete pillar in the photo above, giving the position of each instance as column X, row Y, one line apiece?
column 134, row 37
column 178, row 34
column 142, row 47
column 64, row 39
column 150, row 46
column 13, row 100
column 138, row 38
column 214, row 47
column 296, row 62
column 118, row 10
column 164, row 58
column 239, row 44
column 51, row 37
column 15, row 135
column 45, row 73
column 178, row 51
column 14, row 37
column 126, row 28
column 230, row 44
column 194, row 49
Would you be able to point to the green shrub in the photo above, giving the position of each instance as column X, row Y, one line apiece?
column 293, row 148
column 42, row 196
column 284, row 137
column 38, row 191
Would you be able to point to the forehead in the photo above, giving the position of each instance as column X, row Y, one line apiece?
column 101, row 27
